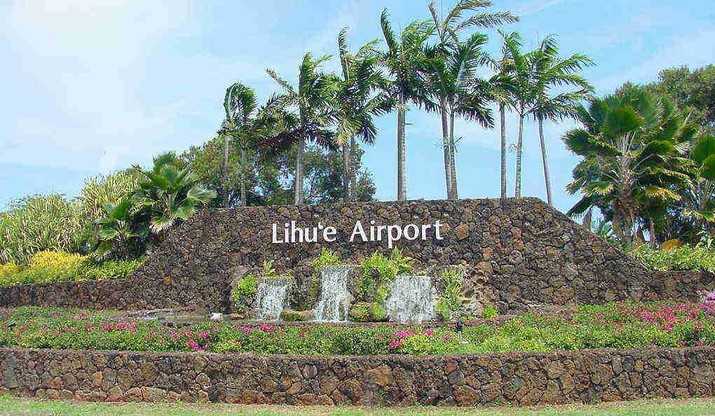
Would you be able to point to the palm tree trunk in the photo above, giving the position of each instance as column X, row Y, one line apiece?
column 453, row 158
column 519, row 146
column 587, row 219
column 224, row 179
column 244, row 202
column 353, row 170
column 298, row 191
column 401, row 149
column 445, row 149
column 547, row 180
column 502, row 128
column 651, row 231
column 346, row 171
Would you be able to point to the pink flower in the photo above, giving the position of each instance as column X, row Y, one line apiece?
column 267, row 328
column 395, row 344
column 246, row 329
column 194, row 346
column 204, row 335
column 429, row 332
column 402, row 334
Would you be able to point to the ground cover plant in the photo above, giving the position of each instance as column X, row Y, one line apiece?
column 616, row 325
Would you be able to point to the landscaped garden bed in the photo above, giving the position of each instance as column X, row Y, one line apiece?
column 617, row 325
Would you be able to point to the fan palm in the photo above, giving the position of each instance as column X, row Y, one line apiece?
column 120, row 232
column 310, row 113
column 699, row 199
column 360, row 97
column 240, row 110
column 630, row 142
column 453, row 73
column 405, row 61
column 551, row 72
column 169, row 193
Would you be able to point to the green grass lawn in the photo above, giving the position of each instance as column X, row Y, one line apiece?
column 13, row 406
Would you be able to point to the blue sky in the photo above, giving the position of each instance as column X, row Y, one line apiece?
column 89, row 87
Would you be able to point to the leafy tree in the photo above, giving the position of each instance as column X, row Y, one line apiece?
column 309, row 114
column 693, row 91
column 360, row 97
column 629, row 140
column 453, row 76
column 405, row 62
column 552, row 75
column 169, row 193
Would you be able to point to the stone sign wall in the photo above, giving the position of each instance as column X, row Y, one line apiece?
column 517, row 378
column 521, row 252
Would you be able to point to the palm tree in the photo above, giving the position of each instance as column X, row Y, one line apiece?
column 169, row 193
column 310, row 113
column 453, row 73
column 629, row 142
column 240, row 109
column 459, row 91
column 405, row 61
column 699, row 199
column 503, row 86
column 519, row 65
column 360, row 97
column 552, row 72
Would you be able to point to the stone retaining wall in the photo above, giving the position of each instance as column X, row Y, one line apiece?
column 517, row 252
column 518, row 378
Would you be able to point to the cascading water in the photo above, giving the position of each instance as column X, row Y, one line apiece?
column 270, row 298
column 412, row 299
column 335, row 298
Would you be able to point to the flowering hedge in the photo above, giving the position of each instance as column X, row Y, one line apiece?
column 618, row 325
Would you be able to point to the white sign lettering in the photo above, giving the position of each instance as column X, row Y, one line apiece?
column 292, row 233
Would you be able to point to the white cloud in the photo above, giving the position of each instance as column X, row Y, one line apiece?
column 536, row 6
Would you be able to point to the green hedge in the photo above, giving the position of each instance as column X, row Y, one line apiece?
column 621, row 325
column 53, row 266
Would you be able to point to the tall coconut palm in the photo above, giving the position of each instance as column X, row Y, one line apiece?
column 360, row 97
column 240, row 110
column 311, row 106
column 405, row 62
column 460, row 92
column 519, row 66
column 453, row 72
column 503, row 86
column 630, row 140
column 553, row 100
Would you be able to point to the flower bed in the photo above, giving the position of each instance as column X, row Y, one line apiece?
column 617, row 325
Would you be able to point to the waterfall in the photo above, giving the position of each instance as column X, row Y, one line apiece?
column 270, row 297
column 335, row 299
column 412, row 299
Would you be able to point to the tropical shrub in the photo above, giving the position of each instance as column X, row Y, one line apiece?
column 243, row 291
column 451, row 299
column 678, row 258
column 98, row 191
column 378, row 271
column 39, row 223
column 169, row 193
